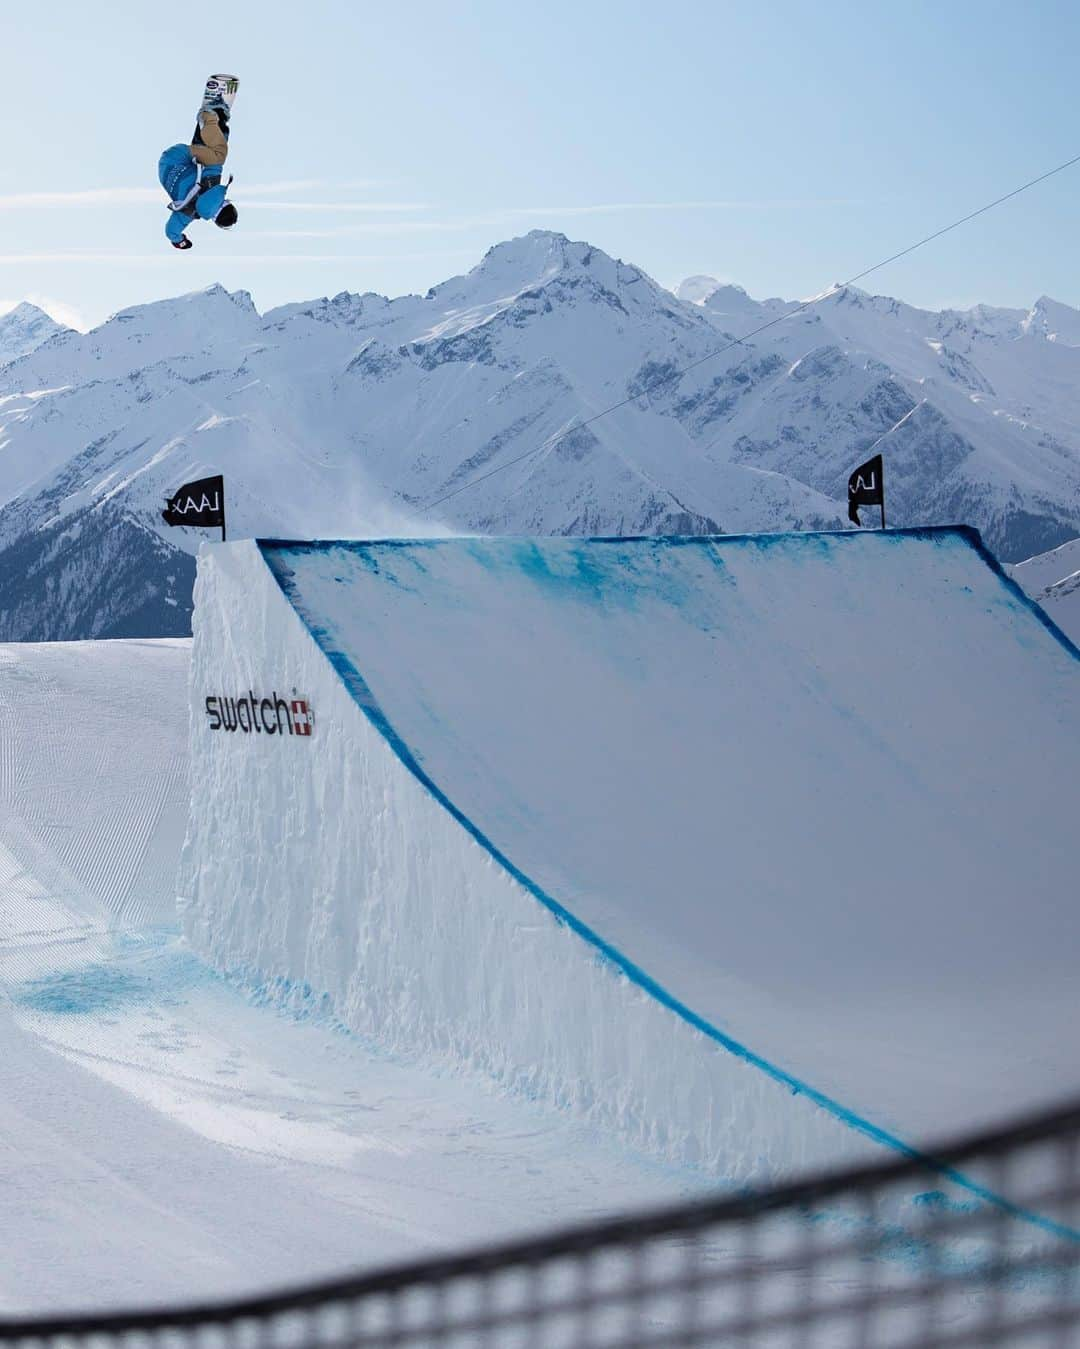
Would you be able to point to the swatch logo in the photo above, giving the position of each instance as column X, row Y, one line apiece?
column 256, row 715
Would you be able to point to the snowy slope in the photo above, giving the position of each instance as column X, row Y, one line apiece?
column 366, row 416
column 93, row 788
column 162, row 1137
column 687, row 836
column 1053, row 581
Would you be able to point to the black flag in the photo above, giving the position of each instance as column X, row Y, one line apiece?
column 866, row 487
column 199, row 503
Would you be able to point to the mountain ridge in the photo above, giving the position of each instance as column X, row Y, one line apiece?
column 473, row 407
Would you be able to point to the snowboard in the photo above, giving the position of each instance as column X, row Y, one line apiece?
column 220, row 93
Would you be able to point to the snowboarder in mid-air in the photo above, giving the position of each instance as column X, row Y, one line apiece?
column 191, row 174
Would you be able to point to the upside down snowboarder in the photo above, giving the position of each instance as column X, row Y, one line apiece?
column 191, row 174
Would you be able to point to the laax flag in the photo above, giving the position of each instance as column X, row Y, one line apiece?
column 866, row 487
column 199, row 503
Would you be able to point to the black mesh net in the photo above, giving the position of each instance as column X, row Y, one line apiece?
column 973, row 1244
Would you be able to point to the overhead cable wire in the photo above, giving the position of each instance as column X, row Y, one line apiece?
column 672, row 375
column 885, row 435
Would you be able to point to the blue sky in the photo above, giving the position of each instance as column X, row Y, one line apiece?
column 384, row 147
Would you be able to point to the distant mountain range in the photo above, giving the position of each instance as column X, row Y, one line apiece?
column 467, row 409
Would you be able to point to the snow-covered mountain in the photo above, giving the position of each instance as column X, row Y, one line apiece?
column 469, row 409
column 985, row 404
column 1053, row 580
column 23, row 329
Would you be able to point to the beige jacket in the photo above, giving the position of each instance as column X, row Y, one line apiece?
column 215, row 144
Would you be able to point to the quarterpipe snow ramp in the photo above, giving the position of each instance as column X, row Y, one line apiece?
column 756, row 851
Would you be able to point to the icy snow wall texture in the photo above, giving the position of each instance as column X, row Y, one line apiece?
column 93, row 791
column 656, row 829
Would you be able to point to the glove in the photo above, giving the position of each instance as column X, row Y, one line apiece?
column 183, row 242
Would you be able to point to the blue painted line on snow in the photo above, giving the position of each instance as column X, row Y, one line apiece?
column 362, row 694
column 974, row 538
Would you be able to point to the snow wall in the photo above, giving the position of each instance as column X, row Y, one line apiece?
column 759, row 852
column 93, row 796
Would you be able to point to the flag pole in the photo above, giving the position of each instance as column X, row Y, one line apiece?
column 882, row 501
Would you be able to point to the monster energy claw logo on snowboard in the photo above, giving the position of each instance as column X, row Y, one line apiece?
column 220, row 92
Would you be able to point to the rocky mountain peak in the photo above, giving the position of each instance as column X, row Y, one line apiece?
column 1053, row 321
column 24, row 329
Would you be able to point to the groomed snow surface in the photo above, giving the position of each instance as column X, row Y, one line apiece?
column 163, row 1136
column 610, row 870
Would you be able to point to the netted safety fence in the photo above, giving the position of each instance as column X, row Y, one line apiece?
column 972, row 1244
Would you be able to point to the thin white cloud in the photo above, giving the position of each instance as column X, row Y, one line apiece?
column 166, row 258
column 97, row 196
column 133, row 196
column 382, row 227
column 375, row 207
column 220, row 259
column 365, row 184
column 603, row 208
column 61, row 311
column 274, row 189
column 389, row 227
column 254, row 193
column 497, row 217
column 75, row 255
